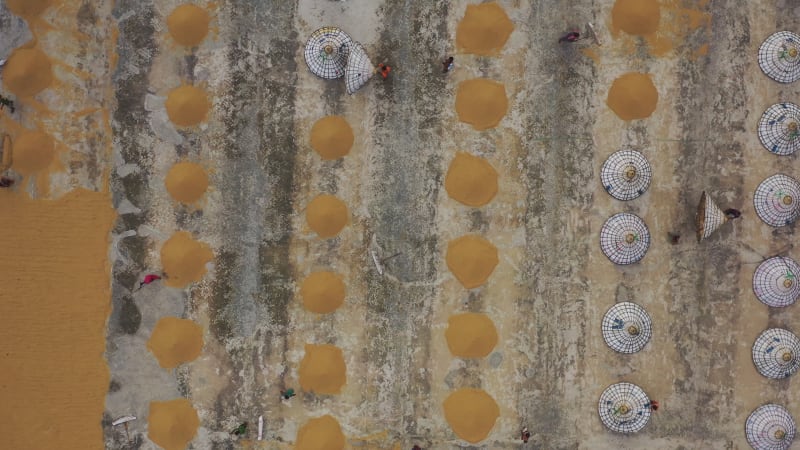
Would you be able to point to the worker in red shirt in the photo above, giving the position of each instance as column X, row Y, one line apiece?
column 572, row 36
column 147, row 280
column 654, row 405
column 384, row 70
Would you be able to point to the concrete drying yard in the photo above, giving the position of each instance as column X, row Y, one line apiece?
column 196, row 128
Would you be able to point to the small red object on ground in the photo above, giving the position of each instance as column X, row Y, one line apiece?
column 149, row 279
column 384, row 70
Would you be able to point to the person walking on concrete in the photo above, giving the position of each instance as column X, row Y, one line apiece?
column 526, row 435
column 731, row 213
column 6, row 102
column 240, row 430
column 148, row 279
column 572, row 36
column 448, row 64
column 384, row 70
column 288, row 393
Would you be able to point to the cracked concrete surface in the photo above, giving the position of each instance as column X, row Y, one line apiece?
column 552, row 286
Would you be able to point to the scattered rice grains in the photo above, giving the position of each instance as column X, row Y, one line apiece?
column 636, row 17
column 188, row 24
column 28, row 8
column 27, row 72
column 472, row 260
column 331, row 137
column 172, row 424
column 186, row 182
column 322, row 292
column 322, row 369
column 481, row 103
column 322, row 433
column 33, row 151
column 471, row 413
column 470, row 335
column 633, row 96
column 187, row 106
column 184, row 259
column 326, row 215
column 175, row 341
column 484, row 29
column 471, row 180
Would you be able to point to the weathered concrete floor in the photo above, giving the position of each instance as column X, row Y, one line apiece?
column 553, row 284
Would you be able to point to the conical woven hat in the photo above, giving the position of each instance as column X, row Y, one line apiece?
column 709, row 217
column 359, row 68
